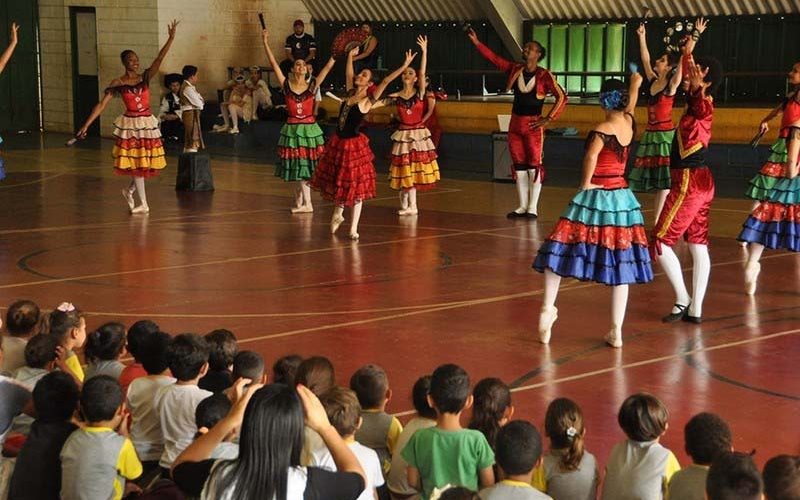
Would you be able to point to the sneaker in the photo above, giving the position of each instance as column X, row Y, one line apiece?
column 128, row 195
column 335, row 223
column 547, row 317
column 613, row 338
column 751, row 270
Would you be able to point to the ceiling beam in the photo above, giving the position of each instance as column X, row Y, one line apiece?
column 507, row 22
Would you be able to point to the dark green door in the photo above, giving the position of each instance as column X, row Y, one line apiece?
column 19, row 82
column 85, row 86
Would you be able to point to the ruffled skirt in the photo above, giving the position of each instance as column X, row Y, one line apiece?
column 413, row 162
column 599, row 237
column 138, row 150
column 651, row 165
column 300, row 147
column 775, row 223
column 345, row 173
column 774, row 169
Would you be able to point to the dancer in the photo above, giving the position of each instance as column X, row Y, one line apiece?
column 600, row 236
column 414, row 156
column 12, row 44
column 301, row 143
column 138, row 151
column 776, row 167
column 651, row 165
column 685, row 212
column 775, row 222
column 531, row 84
column 345, row 174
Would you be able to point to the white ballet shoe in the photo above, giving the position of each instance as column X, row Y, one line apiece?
column 128, row 195
column 220, row 128
column 303, row 209
column 614, row 338
column 751, row 270
column 408, row 211
column 547, row 317
column 354, row 236
column 335, row 223
column 141, row 209
column 234, row 131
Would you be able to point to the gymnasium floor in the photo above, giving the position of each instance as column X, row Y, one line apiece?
column 453, row 284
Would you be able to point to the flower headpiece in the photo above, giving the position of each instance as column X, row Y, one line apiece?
column 66, row 307
column 611, row 99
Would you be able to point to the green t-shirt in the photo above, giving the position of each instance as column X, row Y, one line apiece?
column 443, row 457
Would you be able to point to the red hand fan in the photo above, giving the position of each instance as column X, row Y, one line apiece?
column 347, row 40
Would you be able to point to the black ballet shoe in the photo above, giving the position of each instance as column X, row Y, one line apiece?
column 692, row 319
column 531, row 216
column 516, row 215
column 673, row 317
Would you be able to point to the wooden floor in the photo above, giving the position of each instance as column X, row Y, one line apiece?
column 453, row 284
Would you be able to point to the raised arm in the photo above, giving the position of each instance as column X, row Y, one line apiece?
column 644, row 52
column 487, row 53
column 422, row 41
column 272, row 61
column 349, row 71
column 676, row 80
column 12, row 44
column 391, row 76
column 163, row 52
column 633, row 92
column 373, row 42
column 700, row 25
column 323, row 73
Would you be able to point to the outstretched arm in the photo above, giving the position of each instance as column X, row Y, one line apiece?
column 487, row 53
column 272, row 61
column 700, row 26
column 349, row 71
column 98, row 108
column 12, row 44
column 323, row 73
column 391, row 76
column 633, row 92
column 153, row 69
column 422, row 41
column 644, row 53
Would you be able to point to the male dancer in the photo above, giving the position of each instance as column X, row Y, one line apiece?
column 531, row 84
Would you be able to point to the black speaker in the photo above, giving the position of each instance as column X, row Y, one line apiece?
column 194, row 173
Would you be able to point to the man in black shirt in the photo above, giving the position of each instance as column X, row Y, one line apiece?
column 299, row 45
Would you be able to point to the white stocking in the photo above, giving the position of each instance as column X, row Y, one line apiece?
column 523, row 188
column 338, row 211
column 536, row 190
column 139, row 185
column 356, row 216
column 658, row 202
column 305, row 193
column 403, row 199
column 755, row 251
column 672, row 268
column 412, row 198
column 701, row 269
column 552, row 282
column 619, row 303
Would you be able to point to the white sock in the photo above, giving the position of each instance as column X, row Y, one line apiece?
column 523, row 188
column 619, row 303
column 552, row 282
column 536, row 190
column 754, row 252
column 305, row 193
column 356, row 217
column 139, row 184
column 701, row 269
column 412, row 198
column 672, row 268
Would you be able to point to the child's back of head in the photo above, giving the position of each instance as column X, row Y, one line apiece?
column 733, row 476
column 449, row 388
column 284, row 371
column 519, row 448
column 706, row 435
column 55, row 397
column 64, row 320
column 136, row 336
column 211, row 410
column 316, row 373
column 459, row 493
column 187, row 354
column 153, row 353
column 106, row 343
column 22, row 318
column 643, row 417
column 41, row 350
column 563, row 424
column 248, row 364
column 371, row 386
column 491, row 406
column 222, row 349
column 344, row 412
column 419, row 396
column 101, row 398
column 782, row 478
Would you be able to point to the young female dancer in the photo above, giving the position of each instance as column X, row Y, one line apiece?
column 775, row 167
column 414, row 156
column 301, row 143
column 12, row 44
column 345, row 174
column 138, row 152
column 600, row 236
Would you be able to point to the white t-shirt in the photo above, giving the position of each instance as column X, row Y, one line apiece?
column 368, row 459
column 176, row 405
column 13, row 355
column 145, row 422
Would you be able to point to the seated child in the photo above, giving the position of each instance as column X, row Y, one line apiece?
column 639, row 467
column 782, row 478
column 98, row 460
column 519, row 451
column 210, row 411
column 426, row 451
column 317, row 374
column 426, row 417
column 41, row 357
column 344, row 413
column 134, row 340
column 14, row 398
column 187, row 357
column 285, row 369
column 734, row 476
column 491, row 408
column 169, row 115
column 68, row 325
column 222, row 348
column 22, row 323
column 455, row 493
column 37, row 474
column 706, row 435
column 379, row 430
column 249, row 365
column 568, row 470
column 145, row 421
column 103, row 349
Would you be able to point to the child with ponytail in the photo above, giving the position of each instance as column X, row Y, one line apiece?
column 570, row 472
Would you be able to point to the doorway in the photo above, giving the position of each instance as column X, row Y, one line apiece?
column 85, row 85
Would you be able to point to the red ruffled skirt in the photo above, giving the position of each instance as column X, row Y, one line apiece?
column 345, row 173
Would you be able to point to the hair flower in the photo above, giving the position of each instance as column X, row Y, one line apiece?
column 610, row 100
column 66, row 307
column 572, row 432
